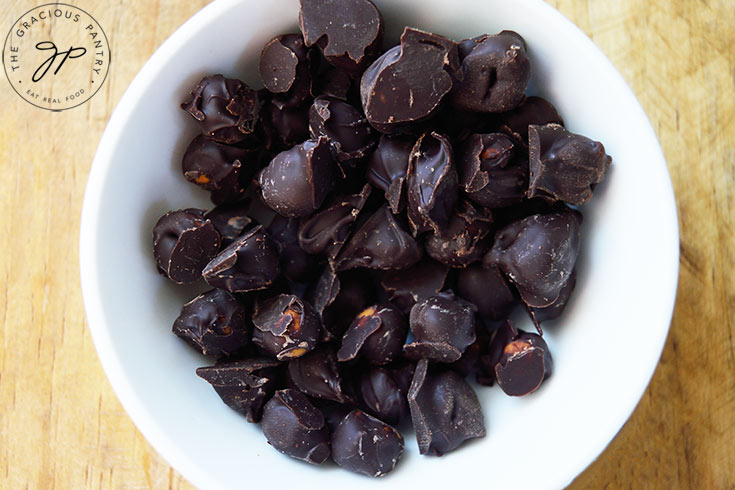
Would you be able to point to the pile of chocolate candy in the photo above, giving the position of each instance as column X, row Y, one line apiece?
column 379, row 215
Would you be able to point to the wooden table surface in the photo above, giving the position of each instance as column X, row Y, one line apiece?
column 61, row 425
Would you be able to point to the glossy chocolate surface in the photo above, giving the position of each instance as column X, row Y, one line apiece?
column 465, row 239
column 487, row 289
column 377, row 335
column 366, row 445
column 295, row 427
column 284, row 126
column 564, row 166
column 215, row 323
column 284, row 68
column 184, row 242
column 348, row 32
column 442, row 326
column 247, row 264
column 381, row 243
column 444, row 409
column 495, row 73
column 524, row 364
column 230, row 220
column 326, row 231
column 221, row 169
column 297, row 181
column 537, row 254
column 533, row 110
column 316, row 374
column 408, row 83
column 286, row 327
column 383, row 396
column 387, row 169
column 349, row 133
column 492, row 171
column 555, row 309
column 244, row 386
column 407, row 287
column 297, row 265
column 431, row 184
column 226, row 109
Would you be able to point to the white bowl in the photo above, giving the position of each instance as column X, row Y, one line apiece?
column 605, row 347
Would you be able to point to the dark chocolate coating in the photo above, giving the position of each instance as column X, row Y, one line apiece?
column 408, row 83
column 257, row 208
column 327, row 230
column 492, row 172
column 226, row 109
column 524, row 364
column 296, row 264
column 244, row 385
column 538, row 254
column 533, row 110
column 443, row 326
column 218, row 168
column 325, row 290
column 354, row 291
column 555, row 309
column 407, row 287
column 528, row 207
column 402, row 373
column 487, row 289
column 502, row 336
column 316, row 374
column 230, row 220
column 184, row 242
column 333, row 412
column 495, row 73
column 564, row 166
column 365, row 445
column 383, row 396
column 444, row 409
column 466, row 46
column 458, row 124
column 465, row 240
column 327, row 79
column 284, row 126
column 377, row 335
column 349, row 33
column 470, row 363
column 387, row 168
column 431, row 184
column 295, row 427
column 351, row 136
column 247, row 264
column 284, row 68
column 380, row 243
column 285, row 326
column 214, row 323
column 297, row 181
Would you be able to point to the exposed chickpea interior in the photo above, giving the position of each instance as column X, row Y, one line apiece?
column 295, row 353
column 370, row 311
column 516, row 347
column 295, row 317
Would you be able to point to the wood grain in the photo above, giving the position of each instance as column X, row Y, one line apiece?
column 60, row 423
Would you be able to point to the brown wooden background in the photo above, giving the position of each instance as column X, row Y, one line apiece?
column 60, row 423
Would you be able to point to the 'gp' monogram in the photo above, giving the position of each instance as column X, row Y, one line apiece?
column 71, row 53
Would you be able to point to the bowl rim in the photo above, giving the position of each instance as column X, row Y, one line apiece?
column 114, row 369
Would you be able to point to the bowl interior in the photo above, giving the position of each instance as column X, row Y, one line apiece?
column 626, row 273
